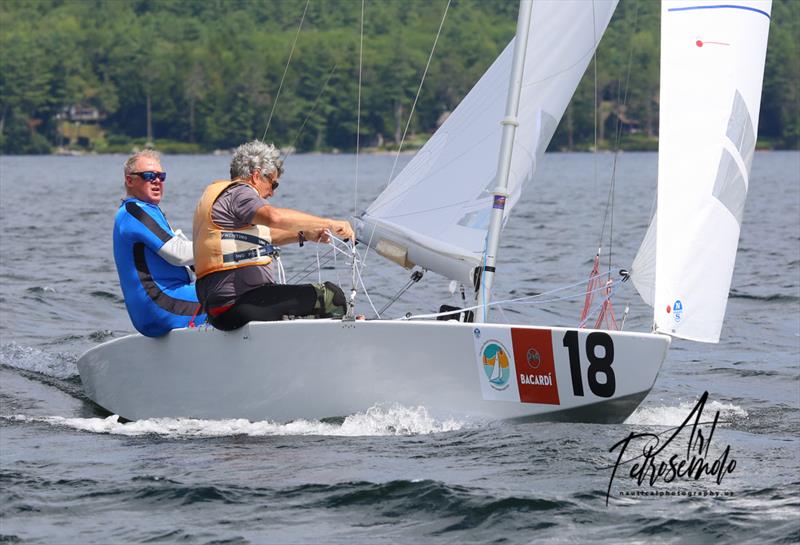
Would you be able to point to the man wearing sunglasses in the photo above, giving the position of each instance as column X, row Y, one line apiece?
column 234, row 231
column 152, row 260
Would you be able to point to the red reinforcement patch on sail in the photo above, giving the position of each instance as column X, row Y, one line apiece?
column 536, row 373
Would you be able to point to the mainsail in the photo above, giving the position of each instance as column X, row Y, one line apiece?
column 712, row 65
column 435, row 213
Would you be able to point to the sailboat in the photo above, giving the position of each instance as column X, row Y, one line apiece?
column 444, row 213
column 494, row 367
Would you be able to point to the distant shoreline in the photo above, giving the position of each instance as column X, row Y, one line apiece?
column 84, row 153
column 170, row 147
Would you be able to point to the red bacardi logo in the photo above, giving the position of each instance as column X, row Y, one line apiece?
column 537, row 379
column 534, row 359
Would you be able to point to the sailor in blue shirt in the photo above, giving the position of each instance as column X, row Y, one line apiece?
column 152, row 260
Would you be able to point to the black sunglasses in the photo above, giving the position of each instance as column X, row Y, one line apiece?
column 274, row 183
column 151, row 175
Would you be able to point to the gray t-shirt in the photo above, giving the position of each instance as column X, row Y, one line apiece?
column 233, row 209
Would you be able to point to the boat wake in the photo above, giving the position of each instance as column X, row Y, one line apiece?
column 27, row 358
column 379, row 420
column 674, row 416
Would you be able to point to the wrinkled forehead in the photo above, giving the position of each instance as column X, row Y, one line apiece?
column 147, row 163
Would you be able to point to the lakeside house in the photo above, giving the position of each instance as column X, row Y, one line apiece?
column 79, row 126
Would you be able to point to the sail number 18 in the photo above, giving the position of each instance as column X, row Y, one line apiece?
column 597, row 364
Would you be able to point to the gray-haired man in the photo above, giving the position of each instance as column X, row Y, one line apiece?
column 234, row 230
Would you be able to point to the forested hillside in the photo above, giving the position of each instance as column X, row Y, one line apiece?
column 197, row 75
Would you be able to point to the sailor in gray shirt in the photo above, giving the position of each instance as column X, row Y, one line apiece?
column 234, row 230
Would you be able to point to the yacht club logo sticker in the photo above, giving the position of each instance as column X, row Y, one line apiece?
column 495, row 365
column 495, row 360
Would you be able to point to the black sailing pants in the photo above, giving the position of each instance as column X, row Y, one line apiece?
column 272, row 302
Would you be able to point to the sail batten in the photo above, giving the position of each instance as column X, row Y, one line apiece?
column 444, row 193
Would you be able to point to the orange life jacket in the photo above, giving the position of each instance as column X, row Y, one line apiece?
column 220, row 249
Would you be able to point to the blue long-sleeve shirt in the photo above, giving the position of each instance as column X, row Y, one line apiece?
column 159, row 296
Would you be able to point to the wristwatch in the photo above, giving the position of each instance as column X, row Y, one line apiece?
column 301, row 238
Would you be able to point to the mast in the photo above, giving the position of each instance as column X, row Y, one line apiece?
column 510, row 124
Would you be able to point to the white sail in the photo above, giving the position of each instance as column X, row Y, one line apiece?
column 712, row 65
column 497, row 371
column 435, row 213
column 643, row 269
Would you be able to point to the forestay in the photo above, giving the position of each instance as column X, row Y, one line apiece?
column 435, row 213
column 712, row 65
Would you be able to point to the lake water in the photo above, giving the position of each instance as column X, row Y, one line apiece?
column 392, row 474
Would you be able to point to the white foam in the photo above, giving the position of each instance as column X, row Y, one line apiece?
column 674, row 416
column 376, row 421
column 28, row 358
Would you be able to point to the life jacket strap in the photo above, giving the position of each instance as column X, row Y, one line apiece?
column 244, row 237
column 253, row 253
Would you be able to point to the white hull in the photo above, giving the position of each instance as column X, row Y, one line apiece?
column 314, row 369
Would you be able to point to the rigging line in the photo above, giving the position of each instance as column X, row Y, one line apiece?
column 478, row 143
column 594, row 98
column 356, row 258
column 529, row 298
column 319, row 267
column 364, row 287
column 376, row 206
column 419, row 90
column 624, row 97
column 355, row 273
column 503, row 314
column 562, row 288
column 358, row 108
column 618, row 137
column 337, row 251
column 605, row 214
column 354, row 269
column 576, row 295
column 281, row 271
column 351, row 248
column 595, row 103
column 619, row 130
column 335, row 261
column 309, row 268
column 611, row 288
column 598, row 304
column 310, row 113
column 361, row 260
column 335, row 239
column 369, row 242
column 286, row 69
